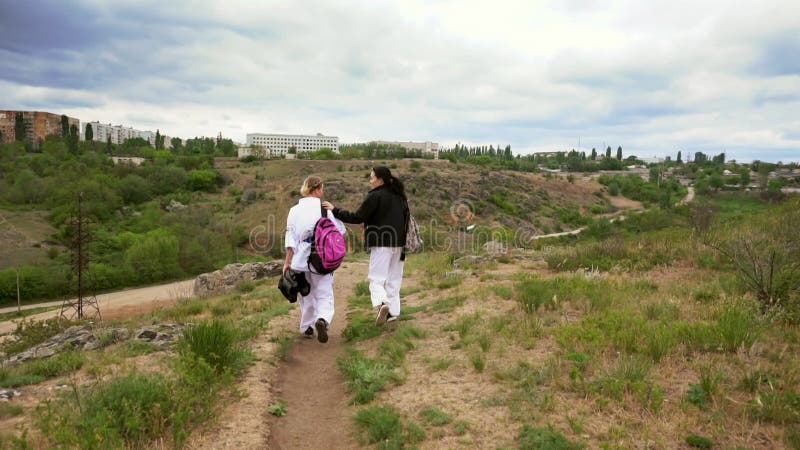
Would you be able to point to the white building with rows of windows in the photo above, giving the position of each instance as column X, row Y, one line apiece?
column 278, row 145
column 119, row 134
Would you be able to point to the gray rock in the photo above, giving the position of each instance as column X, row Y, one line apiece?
column 146, row 335
column 226, row 279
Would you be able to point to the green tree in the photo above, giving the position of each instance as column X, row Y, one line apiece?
column 64, row 126
column 28, row 189
column 594, row 154
column 619, row 153
column 702, row 186
column 72, row 139
column 716, row 181
column 202, row 180
column 177, row 143
column 700, row 158
column 655, row 175
column 19, row 128
column 154, row 257
column 679, row 157
column 89, row 136
column 134, row 189
column 608, row 152
column 158, row 140
column 744, row 176
column 165, row 179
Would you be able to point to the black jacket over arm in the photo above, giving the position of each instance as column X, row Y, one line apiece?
column 383, row 214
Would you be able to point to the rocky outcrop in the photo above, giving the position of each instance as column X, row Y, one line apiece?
column 226, row 279
column 85, row 337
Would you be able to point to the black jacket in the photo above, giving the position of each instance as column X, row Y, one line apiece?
column 383, row 214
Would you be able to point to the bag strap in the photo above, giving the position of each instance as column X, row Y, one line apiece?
column 322, row 210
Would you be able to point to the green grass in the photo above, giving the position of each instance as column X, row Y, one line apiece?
column 541, row 438
column 218, row 343
column 285, row 345
column 778, row 407
column 137, row 348
column 464, row 325
column 38, row 370
column 133, row 409
column 26, row 312
column 362, row 288
column 365, row 377
column 449, row 282
column 435, row 417
column 448, row 304
column 382, row 425
column 8, row 409
column 439, row 364
column 361, row 327
column 696, row 441
column 29, row 333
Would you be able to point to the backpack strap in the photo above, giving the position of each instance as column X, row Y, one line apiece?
column 322, row 210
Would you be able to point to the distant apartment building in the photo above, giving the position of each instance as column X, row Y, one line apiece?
column 278, row 145
column 38, row 125
column 425, row 147
column 102, row 132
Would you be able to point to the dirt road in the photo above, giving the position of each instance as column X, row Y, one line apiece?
column 140, row 297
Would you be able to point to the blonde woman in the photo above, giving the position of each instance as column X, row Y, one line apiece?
column 316, row 308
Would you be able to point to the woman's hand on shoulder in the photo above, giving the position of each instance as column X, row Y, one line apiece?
column 328, row 205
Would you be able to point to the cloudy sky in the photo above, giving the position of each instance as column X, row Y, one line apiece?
column 651, row 76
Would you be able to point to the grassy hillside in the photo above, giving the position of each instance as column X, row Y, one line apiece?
column 635, row 334
column 26, row 238
column 236, row 210
column 444, row 197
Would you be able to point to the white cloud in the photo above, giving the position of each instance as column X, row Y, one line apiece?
column 652, row 76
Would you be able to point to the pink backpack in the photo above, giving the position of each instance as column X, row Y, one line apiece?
column 327, row 246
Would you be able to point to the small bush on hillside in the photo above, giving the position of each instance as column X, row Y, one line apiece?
column 365, row 377
column 537, row 438
column 33, row 332
column 765, row 252
column 217, row 343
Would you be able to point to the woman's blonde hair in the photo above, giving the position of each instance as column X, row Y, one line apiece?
column 310, row 184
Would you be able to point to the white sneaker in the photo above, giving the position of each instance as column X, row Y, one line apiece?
column 392, row 318
column 383, row 314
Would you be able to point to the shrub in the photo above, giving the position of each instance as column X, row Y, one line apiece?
column 697, row 441
column 29, row 333
column 365, row 377
column 765, row 252
column 217, row 343
column 538, row 438
column 381, row 424
column 128, row 411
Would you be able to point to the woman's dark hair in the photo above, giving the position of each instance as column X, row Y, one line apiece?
column 390, row 180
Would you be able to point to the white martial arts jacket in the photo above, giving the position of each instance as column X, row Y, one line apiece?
column 300, row 229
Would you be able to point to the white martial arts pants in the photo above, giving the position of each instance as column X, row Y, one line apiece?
column 385, row 277
column 319, row 301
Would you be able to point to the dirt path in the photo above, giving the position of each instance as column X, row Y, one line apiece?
column 132, row 299
column 309, row 382
column 314, row 390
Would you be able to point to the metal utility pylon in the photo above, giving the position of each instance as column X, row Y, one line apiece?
column 78, row 307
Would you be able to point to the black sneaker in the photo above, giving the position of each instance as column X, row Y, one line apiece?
column 309, row 333
column 322, row 330
column 383, row 314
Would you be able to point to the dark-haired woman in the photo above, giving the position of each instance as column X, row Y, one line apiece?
column 384, row 213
